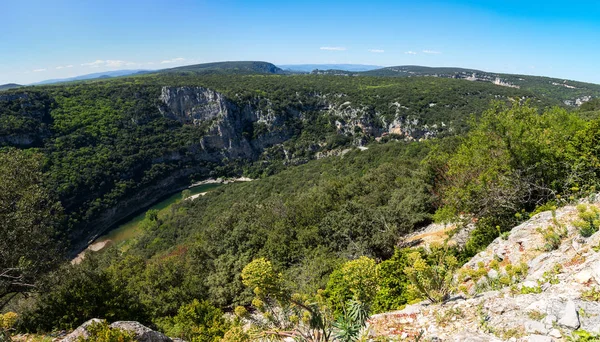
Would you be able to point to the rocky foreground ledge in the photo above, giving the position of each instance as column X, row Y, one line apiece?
column 518, row 289
column 142, row 333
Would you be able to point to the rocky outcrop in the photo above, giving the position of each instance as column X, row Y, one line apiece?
column 518, row 289
column 142, row 333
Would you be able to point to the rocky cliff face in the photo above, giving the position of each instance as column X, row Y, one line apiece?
column 229, row 127
column 518, row 289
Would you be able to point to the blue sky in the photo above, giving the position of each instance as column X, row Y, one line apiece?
column 44, row 39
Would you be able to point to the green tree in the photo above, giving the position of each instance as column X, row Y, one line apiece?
column 29, row 245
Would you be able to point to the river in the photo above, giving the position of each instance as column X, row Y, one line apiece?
column 130, row 228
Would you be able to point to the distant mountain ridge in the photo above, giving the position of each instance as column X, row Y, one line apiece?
column 242, row 67
column 96, row 75
column 344, row 67
column 572, row 93
column 9, row 86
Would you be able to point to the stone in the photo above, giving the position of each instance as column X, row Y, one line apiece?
column 492, row 274
column 549, row 320
column 583, row 276
column 539, row 338
column 539, row 305
column 535, row 327
column 81, row 331
column 142, row 333
column 555, row 333
column 530, row 284
column 570, row 318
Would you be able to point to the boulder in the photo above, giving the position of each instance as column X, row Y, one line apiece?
column 533, row 327
column 570, row 318
column 142, row 333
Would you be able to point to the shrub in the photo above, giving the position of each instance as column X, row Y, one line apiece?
column 393, row 283
column 432, row 281
column 554, row 234
column 589, row 220
column 356, row 279
column 7, row 325
column 197, row 321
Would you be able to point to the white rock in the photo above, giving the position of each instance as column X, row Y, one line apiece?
column 492, row 274
column 583, row 276
column 535, row 327
column 538, row 305
column 555, row 333
column 549, row 320
column 539, row 338
column 530, row 284
column 570, row 318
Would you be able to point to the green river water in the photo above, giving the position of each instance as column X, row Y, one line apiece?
column 130, row 228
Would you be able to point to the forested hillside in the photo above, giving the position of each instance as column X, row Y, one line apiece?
column 570, row 92
column 314, row 244
column 114, row 146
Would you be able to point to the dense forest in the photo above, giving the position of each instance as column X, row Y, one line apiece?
column 312, row 244
column 106, row 141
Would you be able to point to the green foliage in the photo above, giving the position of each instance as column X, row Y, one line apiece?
column 589, row 219
column 350, row 325
column 30, row 216
column 102, row 332
column 307, row 318
column 356, row 280
column 7, row 325
column 393, row 283
column 512, row 159
column 198, row 321
column 432, row 281
column 75, row 294
column 553, row 234
column 583, row 336
column 592, row 294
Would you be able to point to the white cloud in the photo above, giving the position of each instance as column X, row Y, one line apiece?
column 376, row 51
column 109, row 63
column 39, row 70
column 115, row 63
column 410, row 53
column 94, row 64
column 431, row 52
column 333, row 48
column 174, row 60
column 63, row 66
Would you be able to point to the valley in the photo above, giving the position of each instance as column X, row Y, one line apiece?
column 343, row 170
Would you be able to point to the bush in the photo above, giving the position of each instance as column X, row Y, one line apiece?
column 554, row 234
column 393, row 283
column 433, row 281
column 198, row 321
column 589, row 220
column 7, row 325
column 357, row 279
